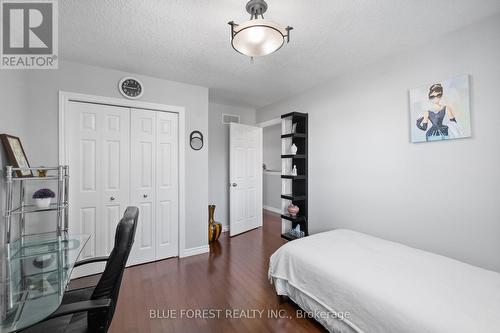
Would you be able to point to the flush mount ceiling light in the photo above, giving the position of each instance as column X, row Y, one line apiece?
column 258, row 37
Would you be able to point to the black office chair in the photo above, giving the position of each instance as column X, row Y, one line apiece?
column 91, row 309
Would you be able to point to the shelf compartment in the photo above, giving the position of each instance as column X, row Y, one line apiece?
column 294, row 114
column 42, row 238
column 293, row 156
column 34, row 209
column 39, row 168
column 294, row 136
column 293, row 177
column 37, row 178
column 294, row 197
column 289, row 237
column 294, row 219
column 52, row 173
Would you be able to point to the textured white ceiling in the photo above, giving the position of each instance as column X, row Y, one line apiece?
column 188, row 40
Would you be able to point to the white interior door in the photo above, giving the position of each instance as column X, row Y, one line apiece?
column 97, row 150
column 143, row 183
column 167, row 185
column 245, row 177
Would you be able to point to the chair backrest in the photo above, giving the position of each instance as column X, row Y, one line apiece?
column 110, row 281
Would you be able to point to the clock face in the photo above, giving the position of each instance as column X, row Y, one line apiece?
column 131, row 88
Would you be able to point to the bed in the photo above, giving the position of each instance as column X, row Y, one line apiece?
column 353, row 282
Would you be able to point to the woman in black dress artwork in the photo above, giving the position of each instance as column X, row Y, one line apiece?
column 436, row 115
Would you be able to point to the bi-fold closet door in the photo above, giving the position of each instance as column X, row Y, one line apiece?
column 154, row 184
column 97, row 141
column 118, row 157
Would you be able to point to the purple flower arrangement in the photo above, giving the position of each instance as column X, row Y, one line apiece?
column 44, row 193
column 43, row 197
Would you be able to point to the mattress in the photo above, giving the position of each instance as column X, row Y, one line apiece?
column 367, row 284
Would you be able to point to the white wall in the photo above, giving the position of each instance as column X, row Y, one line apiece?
column 272, row 192
column 13, row 117
column 364, row 174
column 271, row 139
column 40, row 131
column 218, row 159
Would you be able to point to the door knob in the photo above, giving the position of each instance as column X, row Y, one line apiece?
column 144, row 195
column 112, row 198
column 234, row 184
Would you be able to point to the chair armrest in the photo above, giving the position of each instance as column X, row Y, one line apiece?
column 90, row 261
column 82, row 306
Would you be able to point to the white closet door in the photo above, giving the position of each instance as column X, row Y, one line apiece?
column 143, row 183
column 97, row 150
column 167, row 188
column 115, row 171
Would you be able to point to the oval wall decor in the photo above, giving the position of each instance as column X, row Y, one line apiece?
column 196, row 140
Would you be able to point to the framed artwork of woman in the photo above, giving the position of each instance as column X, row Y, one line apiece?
column 441, row 110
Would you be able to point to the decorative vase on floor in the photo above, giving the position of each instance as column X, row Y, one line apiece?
column 214, row 228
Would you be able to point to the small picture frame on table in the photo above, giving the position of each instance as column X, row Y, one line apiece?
column 16, row 155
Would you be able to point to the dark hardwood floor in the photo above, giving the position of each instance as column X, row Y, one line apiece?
column 232, row 277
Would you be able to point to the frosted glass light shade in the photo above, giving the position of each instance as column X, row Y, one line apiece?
column 259, row 37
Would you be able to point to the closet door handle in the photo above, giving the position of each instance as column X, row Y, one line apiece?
column 144, row 195
column 112, row 198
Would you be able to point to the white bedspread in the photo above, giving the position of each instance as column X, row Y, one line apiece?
column 388, row 287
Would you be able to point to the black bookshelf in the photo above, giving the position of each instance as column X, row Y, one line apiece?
column 294, row 177
column 293, row 197
column 288, row 236
column 298, row 195
column 299, row 219
column 295, row 157
column 294, row 135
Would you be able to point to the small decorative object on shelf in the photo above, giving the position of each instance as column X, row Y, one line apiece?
column 296, row 232
column 293, row 149
column 294, row 170
column 214, row 228
column 42, row 173
column 43, row 261
column 294, row 128
column 43, row 197
column 292, row 209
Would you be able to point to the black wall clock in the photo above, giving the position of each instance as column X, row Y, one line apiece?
column 131, row 87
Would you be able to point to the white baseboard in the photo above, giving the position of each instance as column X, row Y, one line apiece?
column 194, row 251
column 225, row 228
column 272, row 209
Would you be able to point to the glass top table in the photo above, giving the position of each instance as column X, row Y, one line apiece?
column 35, row 272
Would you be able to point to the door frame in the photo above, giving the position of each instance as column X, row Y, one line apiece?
column 264, row 124
column 65, row 97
